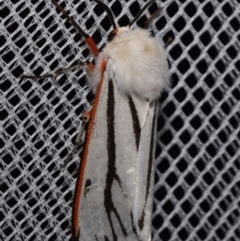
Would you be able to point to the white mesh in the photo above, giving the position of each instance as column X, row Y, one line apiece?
column 197, row 191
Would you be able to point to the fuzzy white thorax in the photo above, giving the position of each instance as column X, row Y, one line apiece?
column 136, row 62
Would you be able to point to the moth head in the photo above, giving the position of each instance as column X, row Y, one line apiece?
column 122, row 29
column 116, row 32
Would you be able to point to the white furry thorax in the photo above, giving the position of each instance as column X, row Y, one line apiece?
column 136, row 62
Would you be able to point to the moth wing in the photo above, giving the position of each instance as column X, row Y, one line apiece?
column 106, row 202
column 143, row 195
column 116, row 196
column 91, row 213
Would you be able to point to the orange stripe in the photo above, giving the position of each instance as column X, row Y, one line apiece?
column 92, row 45
column 79, row 186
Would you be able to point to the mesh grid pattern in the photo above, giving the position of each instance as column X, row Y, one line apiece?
column 197, row 190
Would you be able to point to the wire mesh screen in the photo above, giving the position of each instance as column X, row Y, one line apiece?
column 197, row 181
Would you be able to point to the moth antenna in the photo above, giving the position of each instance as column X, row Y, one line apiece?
column 90, row 42
column 109, row 13
column 140, row 12
column 71, row 20
column 152, row 17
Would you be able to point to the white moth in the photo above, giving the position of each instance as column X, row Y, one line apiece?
column 114, row 191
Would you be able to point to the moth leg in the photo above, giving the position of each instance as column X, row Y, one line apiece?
column 55, row 74
column 154, row 15
column 89, row 40
column 78, row 140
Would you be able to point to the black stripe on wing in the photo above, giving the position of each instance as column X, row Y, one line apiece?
column 149, row 172
column 111, row 169
column 135, row 120
column 87, row 184
column 106, row 238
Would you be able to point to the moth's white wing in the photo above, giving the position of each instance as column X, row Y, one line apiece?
column 143, row 198
column 117, row 177
column 92, row 215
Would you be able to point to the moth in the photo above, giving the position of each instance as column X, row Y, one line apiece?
column 114, row 189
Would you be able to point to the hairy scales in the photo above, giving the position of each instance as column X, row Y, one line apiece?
column 137, row 63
